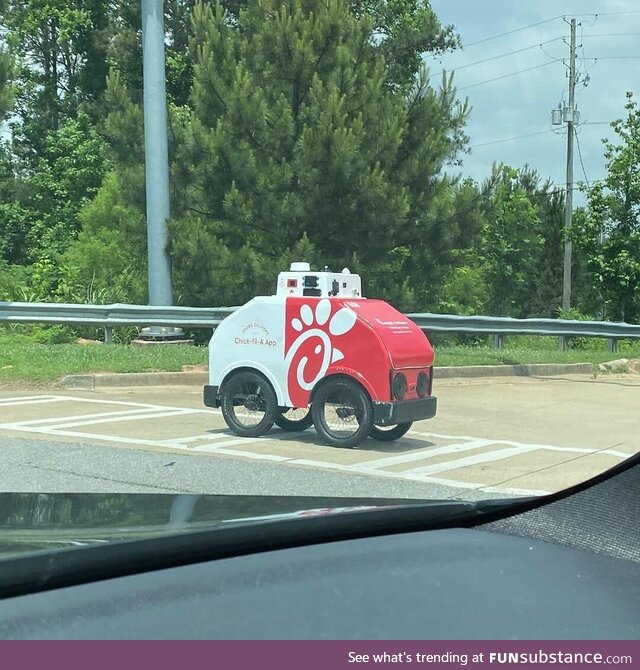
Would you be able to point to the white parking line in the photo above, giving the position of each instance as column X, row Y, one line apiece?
column 135, row 441
column 221, row 448
column 137, row 417
column 105, row 438
column 570, row 450
column 195, row 438
column 486, row 457
column 529, row 445
column 423, row 455
column 101, row 401
column 127, row 403
column 28, row 400
column 451, row 483
column 53, row 420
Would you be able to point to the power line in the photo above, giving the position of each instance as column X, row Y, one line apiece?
column 510, row 74
column 510, row 139
column 584, row 172
column 610, row 35
column 584, row 80
column 504, row 55
column 539, row 23
column 613, row 58
column 546, row 53
column 610, row 13
column 510, row 32
column 539, row 132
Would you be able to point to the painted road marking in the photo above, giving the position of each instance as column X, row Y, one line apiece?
column 221, row 447
column 128, row 403
column 530, row 445
column 451, row 483
column 421, row 455
column 486, row 457
column 225, row 444
column 61, row 419
column 196, row 438
column 137, row 417
column 29, row 400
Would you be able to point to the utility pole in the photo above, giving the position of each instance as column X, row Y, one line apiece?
column 568, row 212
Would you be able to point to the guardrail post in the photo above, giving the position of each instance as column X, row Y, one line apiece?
column 498, row 341
column 612, row 344
column 108, row 335
column 562, row 343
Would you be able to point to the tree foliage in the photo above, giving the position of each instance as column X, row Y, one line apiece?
column 293, row 132
column 55, row 160
column 608, row 233
column 62, row 62
column 7, row 73
column 306, row 130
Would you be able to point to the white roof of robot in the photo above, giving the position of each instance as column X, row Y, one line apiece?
column 301, row 281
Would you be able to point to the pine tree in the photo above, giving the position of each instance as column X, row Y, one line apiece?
column 296, row 131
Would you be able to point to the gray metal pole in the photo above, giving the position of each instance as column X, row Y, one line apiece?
column 156, row 153
column 568, row 212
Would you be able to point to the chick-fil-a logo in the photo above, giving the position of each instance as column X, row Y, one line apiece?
column 311, row 350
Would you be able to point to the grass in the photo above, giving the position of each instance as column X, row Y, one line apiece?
column 22, row 360
column 519, row 355
column 25, row 361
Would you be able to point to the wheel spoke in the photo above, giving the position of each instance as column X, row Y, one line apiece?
column 342, row 412
column 342, row 415
column 249, row 404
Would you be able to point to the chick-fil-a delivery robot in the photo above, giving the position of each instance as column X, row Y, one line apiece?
column 318, row 352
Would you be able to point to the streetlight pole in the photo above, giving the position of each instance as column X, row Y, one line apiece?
column 156, row 153
column 156, row 164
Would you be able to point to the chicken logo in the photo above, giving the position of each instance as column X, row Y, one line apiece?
column 311, row 331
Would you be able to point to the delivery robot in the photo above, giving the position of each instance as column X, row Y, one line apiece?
column 319, row 353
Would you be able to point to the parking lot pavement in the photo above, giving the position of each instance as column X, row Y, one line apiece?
column 512, row 436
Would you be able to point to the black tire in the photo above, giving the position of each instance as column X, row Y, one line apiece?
column 342, row 412
column 248, row 404
column 294, row 418
column 390, row 433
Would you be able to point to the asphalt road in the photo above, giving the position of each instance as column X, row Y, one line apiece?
column 491, row 438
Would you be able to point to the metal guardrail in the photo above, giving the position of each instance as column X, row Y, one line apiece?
column 500, row 326
column 110, row 316
column 503, row 325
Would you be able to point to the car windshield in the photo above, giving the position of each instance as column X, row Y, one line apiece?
column 333, row 251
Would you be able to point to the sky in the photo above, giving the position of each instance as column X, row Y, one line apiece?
column 520, row 105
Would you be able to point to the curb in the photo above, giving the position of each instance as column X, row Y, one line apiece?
column 529, row 370
column 115, row 380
